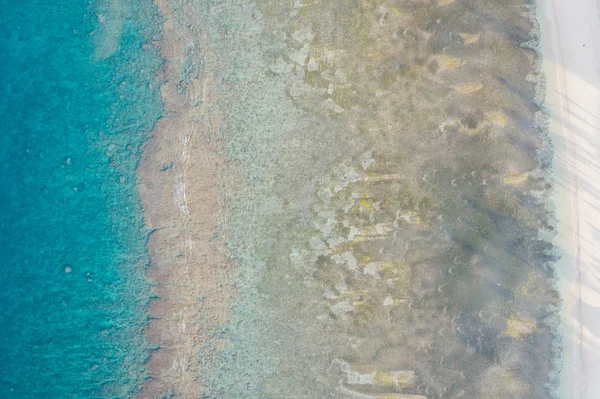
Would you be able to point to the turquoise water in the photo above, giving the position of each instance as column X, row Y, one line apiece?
column 77, row 103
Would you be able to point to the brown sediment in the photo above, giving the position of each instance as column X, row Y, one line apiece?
column 179, row 178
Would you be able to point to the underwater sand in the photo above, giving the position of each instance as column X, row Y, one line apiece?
column 350, row 200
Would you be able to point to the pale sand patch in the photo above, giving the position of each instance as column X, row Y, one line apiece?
column 111, row 17
column 179, row 178
column 570, row 32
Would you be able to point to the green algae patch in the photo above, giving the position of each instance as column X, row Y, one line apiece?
column 514, row 178
column 470, row 38
column 519, row 328
column 450, row 62
column 469, row 88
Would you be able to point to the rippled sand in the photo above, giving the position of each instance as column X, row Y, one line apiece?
column 364, row 211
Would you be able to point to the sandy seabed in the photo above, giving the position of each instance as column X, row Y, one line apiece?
column 346, row 201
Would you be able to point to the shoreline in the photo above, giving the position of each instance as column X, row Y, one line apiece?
column 179, row 187
column 570, row 48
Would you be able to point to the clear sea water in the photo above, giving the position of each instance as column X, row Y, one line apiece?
column 77, row 101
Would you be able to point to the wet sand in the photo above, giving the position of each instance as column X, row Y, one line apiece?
column 570, row 34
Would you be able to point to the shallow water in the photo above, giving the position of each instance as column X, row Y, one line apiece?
column 383, row 200
column 388, row 228
column 72, row 251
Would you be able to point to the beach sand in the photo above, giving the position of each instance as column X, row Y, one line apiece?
column 570, row 32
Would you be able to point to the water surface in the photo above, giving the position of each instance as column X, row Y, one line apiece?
column 76, row 106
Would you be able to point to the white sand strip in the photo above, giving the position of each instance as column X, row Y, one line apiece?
column 571, row 49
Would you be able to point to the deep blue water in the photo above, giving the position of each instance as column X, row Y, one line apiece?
column 76, row 105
